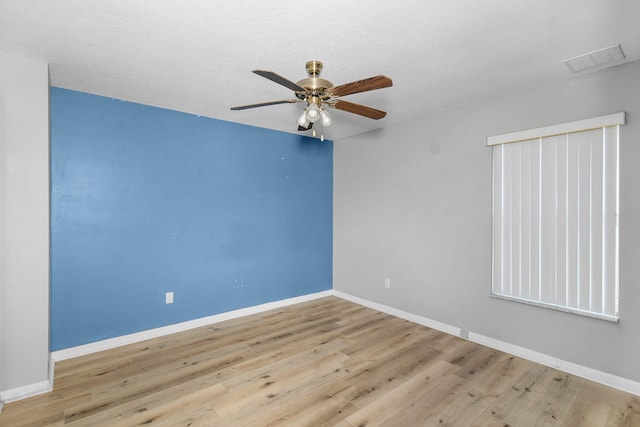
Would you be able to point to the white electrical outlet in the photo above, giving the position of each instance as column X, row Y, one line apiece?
column 387, row 283
column 168, row 298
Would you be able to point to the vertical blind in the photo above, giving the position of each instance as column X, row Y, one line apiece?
column 555, row 216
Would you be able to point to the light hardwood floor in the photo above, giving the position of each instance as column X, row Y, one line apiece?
column 324, row 362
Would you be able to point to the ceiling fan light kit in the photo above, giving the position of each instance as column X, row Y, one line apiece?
column 326, row 118
column 313, row 113
column 317, row 92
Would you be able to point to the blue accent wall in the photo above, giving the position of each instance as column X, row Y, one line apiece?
column 146, row 200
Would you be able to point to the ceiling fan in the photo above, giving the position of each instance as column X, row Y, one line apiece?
column 317, row 93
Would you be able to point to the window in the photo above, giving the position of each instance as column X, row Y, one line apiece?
column 555, row 216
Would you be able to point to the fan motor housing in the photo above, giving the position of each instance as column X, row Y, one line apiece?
column 315, row 83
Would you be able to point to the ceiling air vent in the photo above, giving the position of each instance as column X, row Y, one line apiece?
column 597, row 59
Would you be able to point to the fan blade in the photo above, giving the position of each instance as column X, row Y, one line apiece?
column 372, row 83
column 264, row 104
column 280, row 80
column 361, row 110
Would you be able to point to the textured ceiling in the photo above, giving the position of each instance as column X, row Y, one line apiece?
column 196, row 56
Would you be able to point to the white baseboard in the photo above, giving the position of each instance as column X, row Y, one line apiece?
column 601, row 377
column 108, row 344
column 8, row 396
column 19, row 393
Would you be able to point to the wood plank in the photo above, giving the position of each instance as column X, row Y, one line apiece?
column 383, row 410
column 327, row 362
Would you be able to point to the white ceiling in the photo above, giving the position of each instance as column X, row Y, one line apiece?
column 196, row 56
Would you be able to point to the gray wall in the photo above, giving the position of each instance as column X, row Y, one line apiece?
column 413, row 203
column 24, row 224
